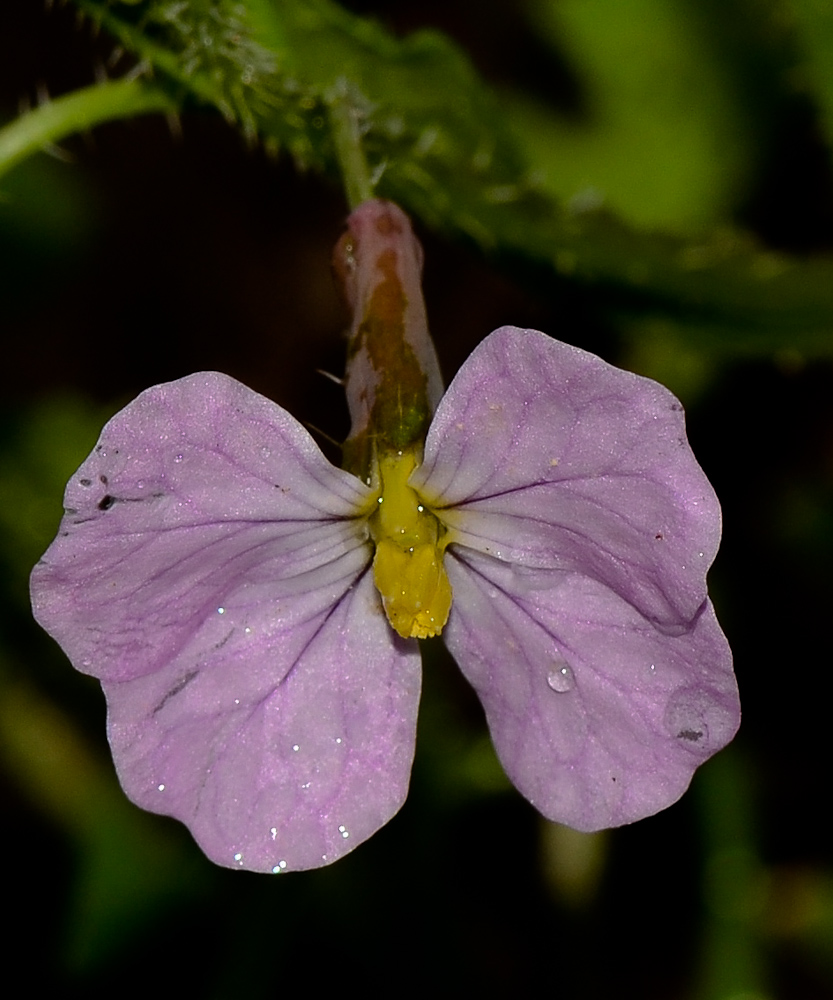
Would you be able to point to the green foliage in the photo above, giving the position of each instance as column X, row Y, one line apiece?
column 664, row 142
column 662, row 139
column 35, row 464
column 812, row 21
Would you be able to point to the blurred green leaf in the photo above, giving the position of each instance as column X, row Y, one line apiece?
column 812, row 22
column 662, row 140
column 131, row 866
column 45, row 446
column 735, row 882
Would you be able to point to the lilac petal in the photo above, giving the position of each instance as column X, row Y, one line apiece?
column 287, row 746
column 598, row 717
column 197, row 485
column 544, row 455
column 212, row 570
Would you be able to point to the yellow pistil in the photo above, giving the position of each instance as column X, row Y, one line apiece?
column 408, row 565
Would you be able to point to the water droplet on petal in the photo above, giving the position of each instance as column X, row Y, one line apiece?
column 344, row 832
column 560, row 677
column 238, row 858
column 700, row 720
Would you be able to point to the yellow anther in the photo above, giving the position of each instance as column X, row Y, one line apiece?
column 408, row 565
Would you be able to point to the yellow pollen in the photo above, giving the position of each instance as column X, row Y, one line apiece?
column 408, row 566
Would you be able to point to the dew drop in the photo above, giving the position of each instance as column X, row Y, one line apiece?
column 700, row 720
column 296, row 748
column 560, row 677
column 344, row 832
column 160, row 788
column 274, row 832
column 279, row 867
column 221, row 611
column 238, row 858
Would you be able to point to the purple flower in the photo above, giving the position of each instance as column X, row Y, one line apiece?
column 215, row 572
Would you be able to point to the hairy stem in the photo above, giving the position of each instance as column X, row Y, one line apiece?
column 75, row 112
column 344, row 121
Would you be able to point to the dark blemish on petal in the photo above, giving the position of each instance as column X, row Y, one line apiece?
column 692, row 735
column 85, row 482
column 102, row 479
column 70, row 510
column 222, row 642
column 676, row 407
column 108, row 501
column 180, row 685
column 659, row 536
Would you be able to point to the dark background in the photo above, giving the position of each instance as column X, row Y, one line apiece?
column 151, row 254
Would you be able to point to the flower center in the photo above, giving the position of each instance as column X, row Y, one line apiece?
column 408, row 565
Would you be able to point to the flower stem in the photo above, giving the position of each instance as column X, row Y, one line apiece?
column 344, row 121
column 79, row 110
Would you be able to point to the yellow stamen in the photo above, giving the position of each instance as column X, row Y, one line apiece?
column 408, row 566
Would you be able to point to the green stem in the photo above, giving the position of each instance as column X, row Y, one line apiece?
column 344, row 123
column 75, row 112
